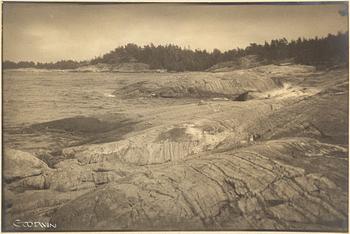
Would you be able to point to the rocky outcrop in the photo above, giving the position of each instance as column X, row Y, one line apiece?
column 175, row 142
column 34, row 205
column 157, row 145
column 230, row 84
column 283, row 112
column 19, row 165
column 201, row 85
column 292, row 183
column 323, row 116
column 251, row 188
column 120, row 67
column 277, row 161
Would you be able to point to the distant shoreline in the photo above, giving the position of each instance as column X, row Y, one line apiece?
column 75, row 71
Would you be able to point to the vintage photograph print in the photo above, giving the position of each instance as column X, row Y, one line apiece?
column 175, row 116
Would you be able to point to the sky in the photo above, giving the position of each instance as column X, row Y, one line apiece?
column 48, row 32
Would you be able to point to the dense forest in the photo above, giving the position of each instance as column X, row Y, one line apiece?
column 64, row 64
column 320, row 52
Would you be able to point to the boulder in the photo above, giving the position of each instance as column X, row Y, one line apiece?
column 19, row 164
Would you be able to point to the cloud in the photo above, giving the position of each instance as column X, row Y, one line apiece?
column 50, row 32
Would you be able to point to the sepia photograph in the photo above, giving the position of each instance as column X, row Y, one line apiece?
column 175, row 116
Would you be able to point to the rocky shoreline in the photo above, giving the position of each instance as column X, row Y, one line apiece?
column 198, row 159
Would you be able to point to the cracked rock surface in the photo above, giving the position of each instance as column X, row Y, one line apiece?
column 251, row 188
column 183, row 155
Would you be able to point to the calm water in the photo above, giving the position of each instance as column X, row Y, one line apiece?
column 32, row 97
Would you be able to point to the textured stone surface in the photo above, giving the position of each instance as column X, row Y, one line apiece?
column 202, row 85
column 19, row 165
column 250, row 188
column 276, row 162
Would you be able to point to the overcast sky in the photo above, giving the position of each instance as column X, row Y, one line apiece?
column 49, row 32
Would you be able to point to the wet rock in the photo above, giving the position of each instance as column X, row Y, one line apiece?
column 203, row 85
column 76, row 124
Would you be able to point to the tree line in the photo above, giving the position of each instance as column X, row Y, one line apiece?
column 64, row 64
column 326, row 51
